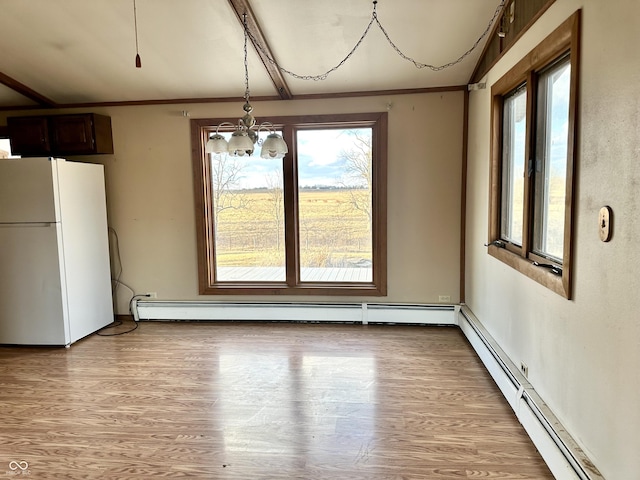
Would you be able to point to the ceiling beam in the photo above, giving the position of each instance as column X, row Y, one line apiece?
column 242, row 7
column 26, row 91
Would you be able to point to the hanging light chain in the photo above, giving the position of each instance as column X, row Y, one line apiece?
column 374, row 18
column 322, row 76
column 446, row 65
column 246, row 64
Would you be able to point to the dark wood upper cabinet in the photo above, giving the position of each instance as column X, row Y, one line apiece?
column 59, row 135
column 29, row 135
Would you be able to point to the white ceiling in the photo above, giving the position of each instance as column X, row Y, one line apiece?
column 83, row 51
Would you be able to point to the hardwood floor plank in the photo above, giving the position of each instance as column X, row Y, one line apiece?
column 260, row 401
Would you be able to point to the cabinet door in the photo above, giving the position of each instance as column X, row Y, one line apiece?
column 29, row 136
column 73, row 134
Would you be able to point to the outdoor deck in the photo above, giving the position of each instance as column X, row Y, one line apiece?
column 277, row 274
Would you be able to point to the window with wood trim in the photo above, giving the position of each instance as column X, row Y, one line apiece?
column 534, row 118
column 311, row 223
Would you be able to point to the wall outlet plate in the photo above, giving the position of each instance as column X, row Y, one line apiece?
column 444, row 298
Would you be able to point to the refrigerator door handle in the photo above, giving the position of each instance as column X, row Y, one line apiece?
column 30, row 224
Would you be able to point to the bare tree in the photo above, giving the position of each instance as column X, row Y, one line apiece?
column 276, row 198
column 358, row 178
column 226, row 174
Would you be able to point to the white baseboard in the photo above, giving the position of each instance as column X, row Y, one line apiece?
column 296, row 312
column 565, row 458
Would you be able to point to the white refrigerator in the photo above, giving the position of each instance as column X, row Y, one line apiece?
column 55, row 279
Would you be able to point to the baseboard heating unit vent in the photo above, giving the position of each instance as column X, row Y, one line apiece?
column 296, row 312
column 565, row 458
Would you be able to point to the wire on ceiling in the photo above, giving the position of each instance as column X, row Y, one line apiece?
column 374, row 19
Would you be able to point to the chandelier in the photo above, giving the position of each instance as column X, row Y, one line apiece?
column 246, row 133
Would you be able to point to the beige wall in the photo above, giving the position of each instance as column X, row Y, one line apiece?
column 151, row 206
column 583, row 355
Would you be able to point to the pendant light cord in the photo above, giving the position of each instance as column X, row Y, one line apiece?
column 135, row 26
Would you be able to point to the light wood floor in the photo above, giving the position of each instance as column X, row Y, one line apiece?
column 260, row 401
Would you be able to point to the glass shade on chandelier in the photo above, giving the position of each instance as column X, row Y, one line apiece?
column 240, row 144
column 274, row 146
column 216, row 144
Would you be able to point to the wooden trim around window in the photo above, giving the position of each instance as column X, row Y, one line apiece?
column 463, row 196
column 566, row 38
column 200, row 130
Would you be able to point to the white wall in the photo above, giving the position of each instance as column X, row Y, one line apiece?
column 151, row 205
column 584, row 354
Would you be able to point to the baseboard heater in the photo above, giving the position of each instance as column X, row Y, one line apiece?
column 565, row 458
column 364, row 313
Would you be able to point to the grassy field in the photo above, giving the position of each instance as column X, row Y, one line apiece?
column 332, row 232
column 555, row 221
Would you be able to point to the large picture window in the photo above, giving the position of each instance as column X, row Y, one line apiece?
column 533, row 160
column 311, row 223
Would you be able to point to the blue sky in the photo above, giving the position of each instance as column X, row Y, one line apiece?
column 558, row 124
column 319, row 160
